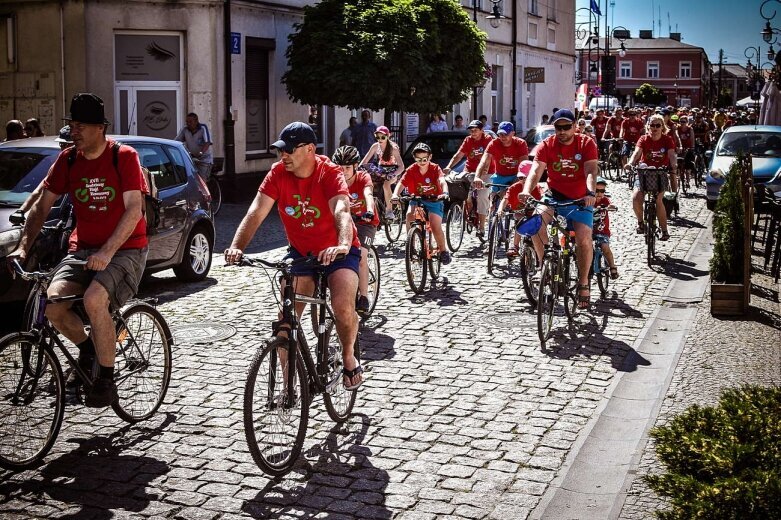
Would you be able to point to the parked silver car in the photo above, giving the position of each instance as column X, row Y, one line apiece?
column 183, row 239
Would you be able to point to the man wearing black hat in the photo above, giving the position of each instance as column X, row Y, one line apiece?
column 313, row 203
column 472, row 148
column 110, row 236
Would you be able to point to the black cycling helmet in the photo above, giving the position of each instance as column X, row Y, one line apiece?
column 421, row 147
column 346, row 156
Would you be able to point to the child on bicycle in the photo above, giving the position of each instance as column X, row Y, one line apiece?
column 513, row 203
column 360, row 185
column 601, row 230
column 426, row 179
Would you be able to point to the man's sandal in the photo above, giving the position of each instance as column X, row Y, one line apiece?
column 614, row 273
column 350, row 374
column 584, row 301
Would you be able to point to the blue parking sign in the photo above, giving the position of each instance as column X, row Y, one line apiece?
column 235, row 43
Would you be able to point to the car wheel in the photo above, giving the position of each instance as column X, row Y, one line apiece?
column 197, row 258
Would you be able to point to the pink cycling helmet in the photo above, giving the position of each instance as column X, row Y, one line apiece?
column 524, row 169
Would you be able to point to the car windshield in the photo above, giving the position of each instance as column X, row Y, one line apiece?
column 764, row 144
column 543, row 134
column 20, row 173
column 442, row 148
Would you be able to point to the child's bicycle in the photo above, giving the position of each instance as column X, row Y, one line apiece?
column 421, row 256
column 599, row 266
column 32, row 384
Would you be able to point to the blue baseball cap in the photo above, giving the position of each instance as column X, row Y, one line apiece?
column 564, row 114
column 294, row 134
column 505, row 127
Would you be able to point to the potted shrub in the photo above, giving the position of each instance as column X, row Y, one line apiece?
column 727, row 266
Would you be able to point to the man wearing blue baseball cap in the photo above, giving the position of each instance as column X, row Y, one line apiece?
column 571, row 160
column 314, row 206
column 499, row 165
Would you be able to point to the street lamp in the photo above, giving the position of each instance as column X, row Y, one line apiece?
column 495, row 18
column 621, row 33
column 768, row 32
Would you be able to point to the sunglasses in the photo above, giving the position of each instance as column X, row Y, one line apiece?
column 289, row 149
column 421, row 160
column 380, row 137
column 600, row 191
column 562, row 128
column 655, row 125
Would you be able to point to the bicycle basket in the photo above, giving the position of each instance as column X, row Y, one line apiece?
column 653, row 180
column 458, row 190
column 529, row 226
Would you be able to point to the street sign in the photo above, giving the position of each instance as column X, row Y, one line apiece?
column 534, row 74
column 581, row 97
column 235, row 43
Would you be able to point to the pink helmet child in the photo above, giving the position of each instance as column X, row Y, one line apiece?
column 524, row 169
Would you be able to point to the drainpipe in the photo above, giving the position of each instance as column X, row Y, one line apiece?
column 513, row 110
column 62, row 57
column 230, row 145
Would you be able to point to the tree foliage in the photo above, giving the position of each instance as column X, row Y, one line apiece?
column 400, row 55
column 647, row 94
column 726, row 264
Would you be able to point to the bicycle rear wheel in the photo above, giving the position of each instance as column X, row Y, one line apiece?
column 415, row 259
column 614, row 165
column 546, row 301
column 142, row 369
column 650, row 232
column 274, row 422
column 393, row 228
column 528, row 270
column 603, row 274
column 373, row 260
column 32, row 400
column 338, row 400
column 570, row 284
column 494, row 231
column 454, row 226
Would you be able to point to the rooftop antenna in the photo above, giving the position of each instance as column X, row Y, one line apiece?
column 669, row 26
column 653, row 17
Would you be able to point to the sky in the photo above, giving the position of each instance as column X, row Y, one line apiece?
column 711, row 24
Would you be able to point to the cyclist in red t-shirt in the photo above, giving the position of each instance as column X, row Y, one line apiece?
column 655, row 149
column 472, row 148
column 512, row 201
column 314, row 206
column 601, row 228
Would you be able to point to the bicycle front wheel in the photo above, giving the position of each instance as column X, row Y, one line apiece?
column 650, row 232
column 373, row 259
column 393, row 228
column 216, row 193
column 339, row 401
column 546, row 301
column 494, row 230
column 142, row 369
column 528, row 270
column 454, row 226
column 32, row 400
column 603, row 274
column 275, row 422
column 415, row 260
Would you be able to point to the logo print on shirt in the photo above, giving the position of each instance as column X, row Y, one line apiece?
column 96, row 193
column 509, row 161
column 567, row 167
column 303, row 209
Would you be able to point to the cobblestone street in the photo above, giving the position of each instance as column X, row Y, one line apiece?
column 462, row 414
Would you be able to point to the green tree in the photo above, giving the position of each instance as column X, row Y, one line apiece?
column 647, row 94
column 398, row 55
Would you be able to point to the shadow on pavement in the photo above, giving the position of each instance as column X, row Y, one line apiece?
column 684, row 222
column 374, row 345
column 615, row 307
column 170, row 288
column 340, row 468
column 440, row 292
column 96, row 477
column 682, row 269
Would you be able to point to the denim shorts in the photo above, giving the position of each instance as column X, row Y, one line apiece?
column 504, row 180
column 600, row 239
column 350, row 261
column 435, row 207
column 573, row 213
column 120, row 278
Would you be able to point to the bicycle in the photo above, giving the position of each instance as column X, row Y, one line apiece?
column 392, row 227
column 212, row 184
column 373, row 262
column 499, row 226
column 420, row 256
column 699, row 163
column 277, row 394
column 652, row 182
column 558, row 273
column 599, row 265
column 455, row 216
column 611, row 158
column 32, row 383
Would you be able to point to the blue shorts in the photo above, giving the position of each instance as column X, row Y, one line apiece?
column 350, row 261
column 600, row 239
column 435, row 207
column 504, row 180
column 573, row 213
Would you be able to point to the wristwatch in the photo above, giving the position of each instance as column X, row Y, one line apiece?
column 591, row 193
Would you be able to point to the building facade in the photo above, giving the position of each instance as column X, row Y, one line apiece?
column 153, row 62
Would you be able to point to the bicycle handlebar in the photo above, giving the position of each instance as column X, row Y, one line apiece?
column 426, row 198
column 282, row 265
column 44, row 275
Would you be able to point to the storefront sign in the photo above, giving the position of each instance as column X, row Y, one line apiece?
column 147, row 57
column 534, row 74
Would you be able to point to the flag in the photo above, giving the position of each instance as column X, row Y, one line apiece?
column 595, row 8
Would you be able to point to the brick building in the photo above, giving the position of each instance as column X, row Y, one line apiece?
column 680, row 70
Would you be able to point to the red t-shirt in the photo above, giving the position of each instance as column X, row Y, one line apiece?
column 686, row 135
column 419, row 183
column 512, row 195
column 614, row 126
column 96, row 190
column 655, row 152
column 632, row 129
column 599, row 124
column 602, row 227
column 507, row 158
column 358, row 197
column 473, row 149
column 566, row 164
column 303, row 204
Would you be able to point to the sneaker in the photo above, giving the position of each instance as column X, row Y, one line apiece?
column 640, row 228
column 104, row 392
column 85, row 363
column 362, row 306
column 445, row 257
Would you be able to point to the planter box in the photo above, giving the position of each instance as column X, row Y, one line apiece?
column 728, row 299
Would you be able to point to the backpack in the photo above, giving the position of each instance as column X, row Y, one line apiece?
column 152, row 204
